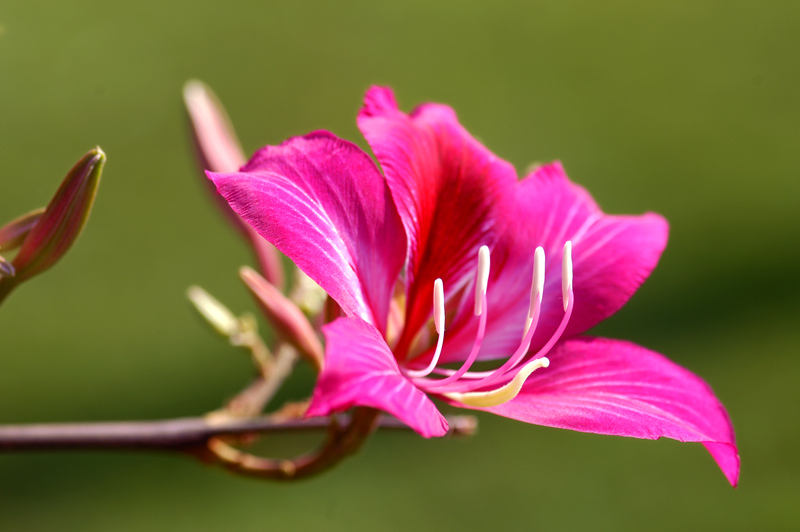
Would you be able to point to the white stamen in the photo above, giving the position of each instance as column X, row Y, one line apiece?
column 537, row 286
column 502, row 394
column 566, row 273
column 482, row 280
column 438, row 306
column 438, row 321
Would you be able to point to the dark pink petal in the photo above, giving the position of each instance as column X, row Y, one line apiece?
column 323, row 203
column 612, row 256
column 360, row 370
column 449, row 189
column 618, row 388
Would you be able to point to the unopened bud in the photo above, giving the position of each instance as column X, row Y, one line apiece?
column 219, row 150
column 6, row 268
column 14, row 232
column 215, row 313
column 217, row 146
column 287, row 319
column 61, row 222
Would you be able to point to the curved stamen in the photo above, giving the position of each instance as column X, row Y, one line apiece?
column 499, row 375
column 481, row 285
column 504, row 393
column 534, row 310
column 438, row 321
column 569, row 303
column 487, row 378
column 432, row 385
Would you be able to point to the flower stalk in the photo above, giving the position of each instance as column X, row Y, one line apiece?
column 182, row 434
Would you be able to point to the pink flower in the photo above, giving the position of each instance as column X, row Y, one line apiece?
column 450, row 221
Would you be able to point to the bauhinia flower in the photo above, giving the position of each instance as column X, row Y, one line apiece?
column 447, row 259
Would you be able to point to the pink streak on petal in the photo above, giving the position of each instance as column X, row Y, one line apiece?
column 323, row 203
column 613, row 387
column 360, row 370
column 612, row 256
column 450, row 191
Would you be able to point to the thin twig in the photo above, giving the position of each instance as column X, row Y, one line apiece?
column 182, row 434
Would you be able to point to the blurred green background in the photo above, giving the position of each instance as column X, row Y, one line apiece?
column 689, row 108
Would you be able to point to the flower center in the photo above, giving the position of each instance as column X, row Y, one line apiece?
column 495, row 387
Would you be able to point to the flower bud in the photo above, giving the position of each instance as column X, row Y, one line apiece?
column 215, row 313
column 219, row 150
column 6, row 268
column 14, row 232
column 61, row 222
column 287, row 319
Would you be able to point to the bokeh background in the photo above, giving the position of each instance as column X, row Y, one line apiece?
column 688, row 107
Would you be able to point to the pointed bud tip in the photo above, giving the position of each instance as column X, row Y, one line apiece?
column 193, row 89
column 246, row 272
column 214, row 312
column 64, row 217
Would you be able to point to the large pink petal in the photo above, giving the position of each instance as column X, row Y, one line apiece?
column 360, row 370
column 450, row 191
column 612, row 256
column 322, row 202
column 613, row 387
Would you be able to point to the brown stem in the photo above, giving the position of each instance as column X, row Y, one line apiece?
column 252, row 400
column 183, row 434
column 341, row 442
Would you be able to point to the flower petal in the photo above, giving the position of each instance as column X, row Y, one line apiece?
column 450, row 191
column 618, row 388
column 611, row 257
column 360, row 370
column 322, row 202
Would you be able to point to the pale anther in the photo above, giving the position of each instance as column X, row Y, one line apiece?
column 566, row 273
column 537, row 286
column 438, row 306
column 482, row 280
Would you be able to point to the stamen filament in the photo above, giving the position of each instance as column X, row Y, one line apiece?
column 488, row 378
column 419, row 373
column 438, row 321
column 473, row 355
